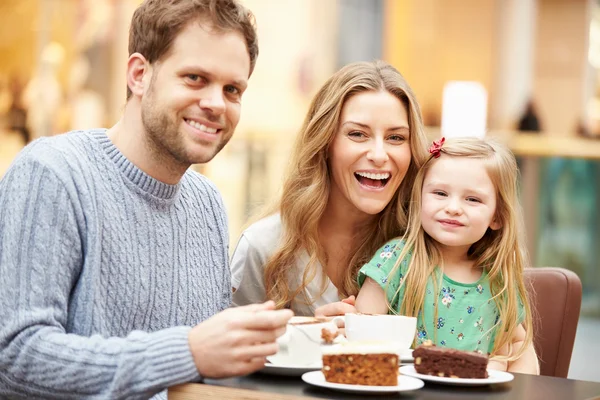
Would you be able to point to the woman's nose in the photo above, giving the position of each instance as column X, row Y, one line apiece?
column 377, row 153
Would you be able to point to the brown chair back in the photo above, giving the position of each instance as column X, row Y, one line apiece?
column 556, row 301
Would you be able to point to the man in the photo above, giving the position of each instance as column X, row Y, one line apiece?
column 110, row 248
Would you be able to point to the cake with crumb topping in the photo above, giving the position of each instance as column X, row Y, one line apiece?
column 451, row 363
column 361, row 363
column 329, row 335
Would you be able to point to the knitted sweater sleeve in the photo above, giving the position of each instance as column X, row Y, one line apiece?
column 223, row 244
column 41, row 254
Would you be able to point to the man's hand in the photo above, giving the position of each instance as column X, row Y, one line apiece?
column 338, row 308
column 237, row 340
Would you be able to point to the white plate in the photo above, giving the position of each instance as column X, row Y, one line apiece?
column 289, row 370
column 494, row 376
column 405, row 383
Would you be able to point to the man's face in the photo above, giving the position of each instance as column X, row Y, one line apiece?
column 192, row 104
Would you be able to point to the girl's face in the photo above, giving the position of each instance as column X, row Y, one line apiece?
column 370, row 153
column 458, row 201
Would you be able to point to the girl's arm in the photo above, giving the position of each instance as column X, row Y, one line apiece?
column 528, row 362
column 498, row 365
column 371, row 298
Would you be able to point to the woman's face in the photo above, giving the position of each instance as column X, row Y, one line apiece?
column 370, row 153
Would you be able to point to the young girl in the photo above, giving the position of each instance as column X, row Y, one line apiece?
column 459, row 268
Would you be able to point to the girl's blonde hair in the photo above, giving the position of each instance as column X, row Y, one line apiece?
column 501, row 252
column 307, row 185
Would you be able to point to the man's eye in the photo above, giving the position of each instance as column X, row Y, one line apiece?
column 193, row 77
column 232, row 90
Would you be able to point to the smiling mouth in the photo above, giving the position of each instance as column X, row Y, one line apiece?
column 374, row 181
column 202, row 127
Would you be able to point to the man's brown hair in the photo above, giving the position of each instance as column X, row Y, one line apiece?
column 156, row 24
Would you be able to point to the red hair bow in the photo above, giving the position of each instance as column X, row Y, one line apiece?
column 436, row 147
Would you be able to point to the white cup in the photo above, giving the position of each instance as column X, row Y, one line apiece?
column 300, row 345
column 389, row 328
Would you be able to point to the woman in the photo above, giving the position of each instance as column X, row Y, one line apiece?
column 345, row 194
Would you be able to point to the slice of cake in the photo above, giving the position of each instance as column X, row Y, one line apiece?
column 361, row 363
column 442, row 361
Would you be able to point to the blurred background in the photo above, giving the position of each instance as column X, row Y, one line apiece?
column 525, row 71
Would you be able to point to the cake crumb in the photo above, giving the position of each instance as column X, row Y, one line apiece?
column 328, row 336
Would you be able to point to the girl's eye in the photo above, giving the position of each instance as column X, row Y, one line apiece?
column 439, row 193
column 473, row 200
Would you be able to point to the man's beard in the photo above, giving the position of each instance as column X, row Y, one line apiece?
column 167, row 144
column 162, row 138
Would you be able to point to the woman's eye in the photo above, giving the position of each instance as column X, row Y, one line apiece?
column 397, row 138
column 356, row 134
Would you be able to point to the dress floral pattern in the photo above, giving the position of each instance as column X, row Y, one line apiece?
column 466, row 314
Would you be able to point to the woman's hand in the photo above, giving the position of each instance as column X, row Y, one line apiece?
column 338, row 308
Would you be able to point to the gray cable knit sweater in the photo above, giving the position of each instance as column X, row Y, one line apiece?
column 103, row 270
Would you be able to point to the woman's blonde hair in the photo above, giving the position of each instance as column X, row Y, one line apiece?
column 307, row 185
column 501, row 252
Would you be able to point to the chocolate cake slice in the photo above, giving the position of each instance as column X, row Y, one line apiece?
column 452, row 363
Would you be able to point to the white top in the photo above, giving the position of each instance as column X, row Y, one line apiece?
column 254, row 248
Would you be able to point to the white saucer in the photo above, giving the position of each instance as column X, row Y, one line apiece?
column 494, row 377
column 290, row 370
column 405, row 383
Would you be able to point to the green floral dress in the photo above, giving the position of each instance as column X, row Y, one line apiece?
column 466, row 314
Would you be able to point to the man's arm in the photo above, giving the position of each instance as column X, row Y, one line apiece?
column 41, row 253
column 222, row 227
column 247, row 274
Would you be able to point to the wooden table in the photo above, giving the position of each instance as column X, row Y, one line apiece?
column 261, row 386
